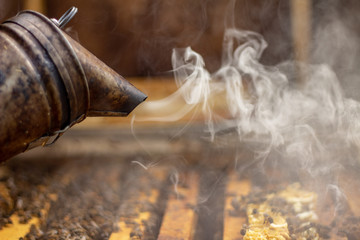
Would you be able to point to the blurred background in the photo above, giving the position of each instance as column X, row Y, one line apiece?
column 136, row 37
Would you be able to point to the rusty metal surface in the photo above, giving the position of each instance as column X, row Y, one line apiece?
column 44, row 89
column 63, row 57
column 113, row 95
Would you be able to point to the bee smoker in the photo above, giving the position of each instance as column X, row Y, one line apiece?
column 49, row 82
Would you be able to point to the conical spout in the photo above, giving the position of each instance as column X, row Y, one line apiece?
column 110, row 93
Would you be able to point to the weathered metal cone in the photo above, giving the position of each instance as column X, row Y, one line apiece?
column 49, row 82
column 110, row 93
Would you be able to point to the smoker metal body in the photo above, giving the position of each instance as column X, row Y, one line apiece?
column 49, row 82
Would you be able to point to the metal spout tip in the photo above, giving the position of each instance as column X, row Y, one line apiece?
column 117, row 97
column 110, row 93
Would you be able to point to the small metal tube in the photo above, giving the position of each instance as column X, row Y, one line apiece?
column 49, row 82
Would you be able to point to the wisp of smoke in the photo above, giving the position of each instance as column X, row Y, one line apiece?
column 293, row 114
column 308, row 121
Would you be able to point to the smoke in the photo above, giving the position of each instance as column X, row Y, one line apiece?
column 296, row 115
column 293, row 114
column 340, row 197
column 308, row 123
column 335, row 41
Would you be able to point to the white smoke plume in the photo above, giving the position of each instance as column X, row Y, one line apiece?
column 267, row 104
column 303, row 122
column 308, row 122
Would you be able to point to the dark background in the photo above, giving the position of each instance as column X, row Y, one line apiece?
column 136, row 37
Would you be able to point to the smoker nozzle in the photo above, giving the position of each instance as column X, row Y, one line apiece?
column 49, row 82
column 110, row 93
